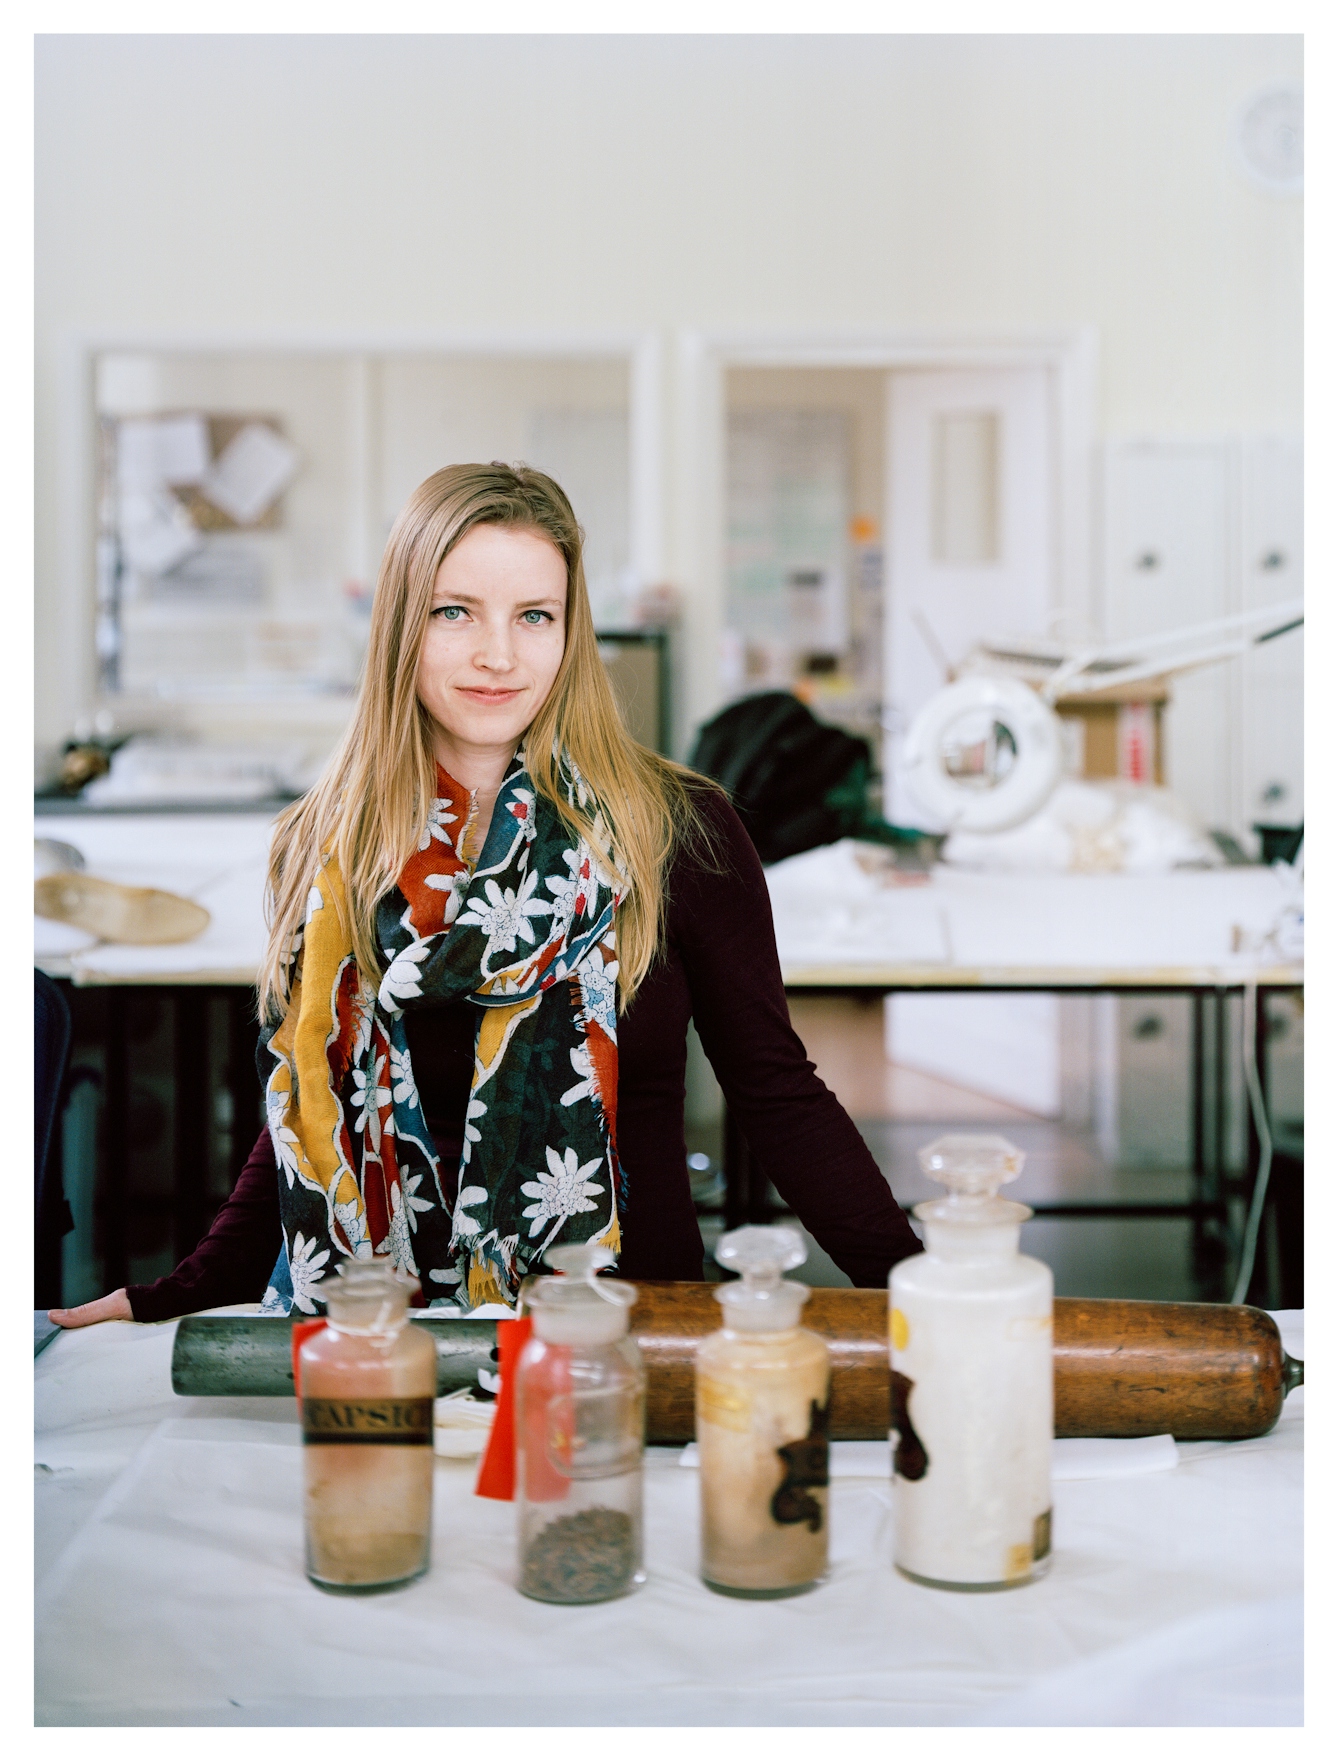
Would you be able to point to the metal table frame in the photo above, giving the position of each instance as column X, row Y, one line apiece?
column 746, row 1195
column 194, row 1094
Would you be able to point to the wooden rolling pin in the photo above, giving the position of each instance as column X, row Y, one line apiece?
column 1122, row 1369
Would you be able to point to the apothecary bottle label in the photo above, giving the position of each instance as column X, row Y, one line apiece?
column 389, row 1420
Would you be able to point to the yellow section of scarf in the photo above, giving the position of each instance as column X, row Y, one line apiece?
column 313, row 1112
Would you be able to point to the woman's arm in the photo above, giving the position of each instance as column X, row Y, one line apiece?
column 801, row 1135
column 231, row 1264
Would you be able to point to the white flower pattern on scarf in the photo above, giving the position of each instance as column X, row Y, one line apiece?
column 284, row 1139
column 306, row 1268
column 504, row 916
column 403, row 977
column 353, row 1221
column 561, row 1190
column 369, row 1097
column 404, row 1090
column 438, row 818
column 404, row 1206
column 464, row 1223
column 586, row 1088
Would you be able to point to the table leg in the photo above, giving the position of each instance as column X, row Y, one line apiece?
column 737, row 1170
column 242, row 1079
column 190, row 1116
column 1199, row 1118
column 111, row 1210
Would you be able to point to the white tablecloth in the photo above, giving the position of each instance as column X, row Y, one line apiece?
column 170, row 1591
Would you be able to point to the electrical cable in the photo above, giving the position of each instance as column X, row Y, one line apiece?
column 1250, row 1239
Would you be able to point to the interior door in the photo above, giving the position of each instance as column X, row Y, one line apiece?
column 970, row 548
column 970, row 532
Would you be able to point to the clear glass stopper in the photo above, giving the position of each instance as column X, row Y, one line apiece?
column 972, row 1166
column 763, row 1301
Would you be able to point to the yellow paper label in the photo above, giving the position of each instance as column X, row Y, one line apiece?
column 900, row 1330
column 1019, row 1560
column 719, row 1404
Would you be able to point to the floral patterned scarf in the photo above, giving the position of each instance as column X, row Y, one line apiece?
column 528, row 935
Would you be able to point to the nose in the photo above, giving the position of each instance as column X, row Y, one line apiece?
column 495, row 652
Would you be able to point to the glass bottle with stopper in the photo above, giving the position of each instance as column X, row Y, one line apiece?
column 368, row 1381
column 972, row 1380
column 580, row 1433
column 763, row 1383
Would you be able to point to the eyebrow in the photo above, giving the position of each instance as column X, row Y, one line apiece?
column 440, row 598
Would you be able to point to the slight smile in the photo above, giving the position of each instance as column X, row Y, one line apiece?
column 490, row 693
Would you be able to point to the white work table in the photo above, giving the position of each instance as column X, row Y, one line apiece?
column 171, row 1592
column 217, row 859
column 834, row 925
column 838, row 927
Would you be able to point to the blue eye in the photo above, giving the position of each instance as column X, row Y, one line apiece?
column 534, row 618
column 451, row 613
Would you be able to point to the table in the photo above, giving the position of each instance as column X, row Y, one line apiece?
column 840, row 930
column 170, row 1592
column 218, row 859
column 837, row 929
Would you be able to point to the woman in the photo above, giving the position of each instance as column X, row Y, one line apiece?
column 484, row 956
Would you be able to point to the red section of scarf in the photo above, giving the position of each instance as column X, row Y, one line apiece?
column 439, row 860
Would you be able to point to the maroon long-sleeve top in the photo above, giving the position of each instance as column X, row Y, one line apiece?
column 718, row 968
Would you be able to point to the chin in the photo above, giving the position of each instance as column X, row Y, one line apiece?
column 487, row 726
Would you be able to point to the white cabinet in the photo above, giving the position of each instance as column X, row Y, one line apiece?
column 1193, row 532
column 1167, row 533
column 1272, row 680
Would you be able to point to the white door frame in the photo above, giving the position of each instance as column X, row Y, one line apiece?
column 704, row 357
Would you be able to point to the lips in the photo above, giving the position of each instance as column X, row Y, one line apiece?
column 481, row 694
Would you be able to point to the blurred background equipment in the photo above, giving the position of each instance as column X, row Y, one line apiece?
column 986, row 751
column 795, row 782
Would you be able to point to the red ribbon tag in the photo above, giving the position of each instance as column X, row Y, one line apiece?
column 302, row 1330
column 497, row 1470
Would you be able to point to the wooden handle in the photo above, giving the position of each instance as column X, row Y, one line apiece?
column 1122, row 1369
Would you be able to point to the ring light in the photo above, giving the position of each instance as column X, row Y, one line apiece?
column 983, row 754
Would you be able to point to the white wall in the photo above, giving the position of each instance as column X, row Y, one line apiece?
column 361, row 186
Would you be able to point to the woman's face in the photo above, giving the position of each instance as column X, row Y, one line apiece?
column 494, row 639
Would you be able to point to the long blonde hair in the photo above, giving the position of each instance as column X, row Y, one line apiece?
column 370, row 806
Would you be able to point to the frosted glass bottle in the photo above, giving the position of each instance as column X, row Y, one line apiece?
column 580, row 1435
column 368, row 1383
column 762, row 1399
column 972, row 1381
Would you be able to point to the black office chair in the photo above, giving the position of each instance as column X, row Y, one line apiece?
column 52, row 1215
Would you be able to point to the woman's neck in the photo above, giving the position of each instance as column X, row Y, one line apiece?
column 480, row 769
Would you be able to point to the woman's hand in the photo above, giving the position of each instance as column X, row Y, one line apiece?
column 115, row 1307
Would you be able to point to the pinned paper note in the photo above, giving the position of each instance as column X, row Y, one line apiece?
column 156, row 531
column 157, row 450
column 250, row 474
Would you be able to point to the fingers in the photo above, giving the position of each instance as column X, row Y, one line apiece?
column 115, row 1307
